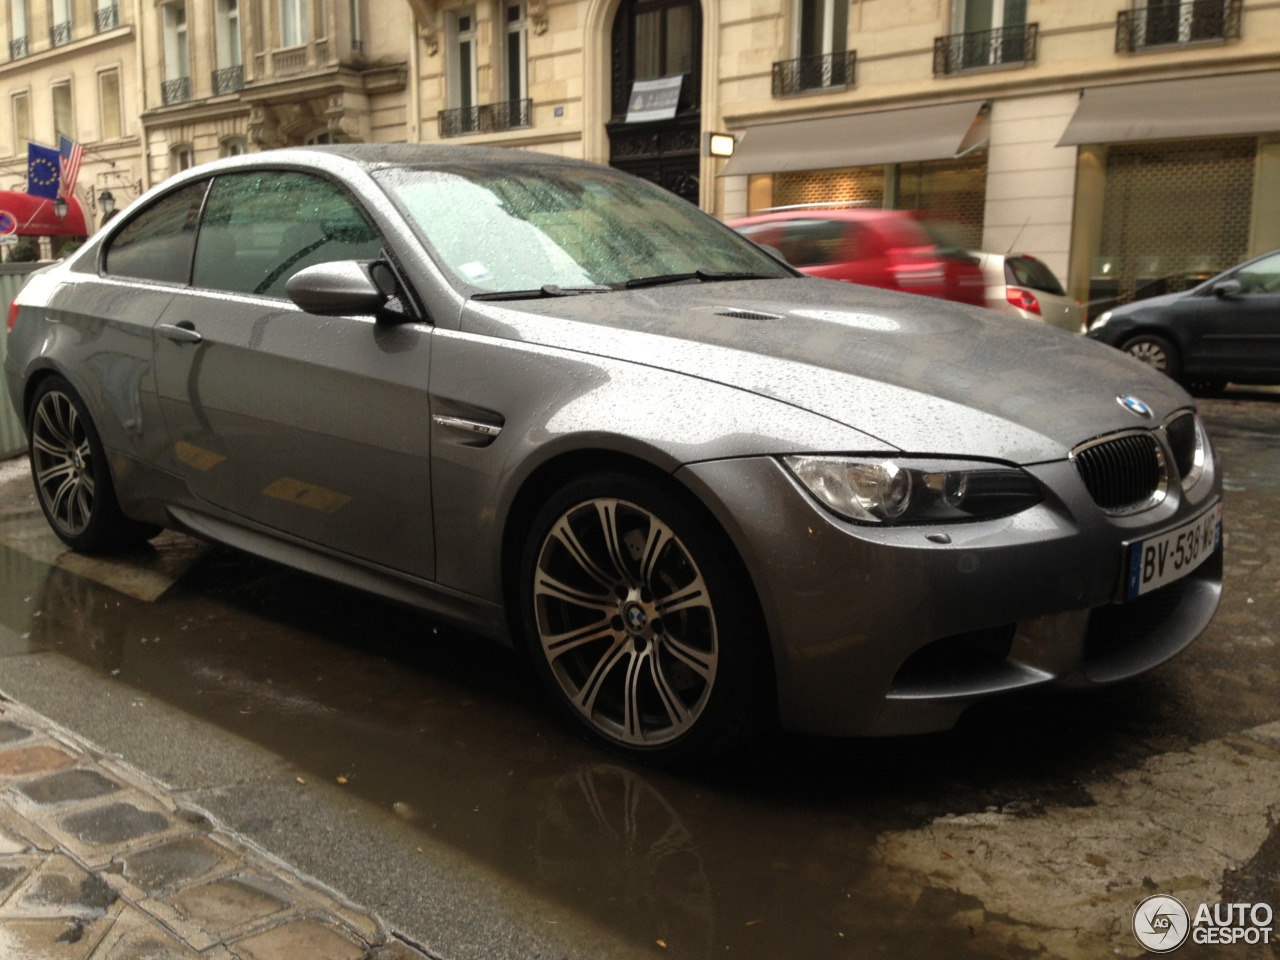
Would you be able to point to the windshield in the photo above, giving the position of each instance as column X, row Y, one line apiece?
column 514, row 228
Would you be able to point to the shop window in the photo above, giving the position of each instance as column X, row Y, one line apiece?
column 1174, row 215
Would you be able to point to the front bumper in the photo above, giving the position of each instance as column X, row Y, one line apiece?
column 879, row 630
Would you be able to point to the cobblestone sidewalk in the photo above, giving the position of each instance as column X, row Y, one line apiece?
column 97, row 862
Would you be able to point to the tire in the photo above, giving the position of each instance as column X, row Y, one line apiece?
column 1156, row 352
column 71, row 475
column 642, row 623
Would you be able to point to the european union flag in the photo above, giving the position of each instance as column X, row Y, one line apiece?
column 44, row 171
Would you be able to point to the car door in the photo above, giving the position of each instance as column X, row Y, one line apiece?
column 318, row 427
column 1237, row 334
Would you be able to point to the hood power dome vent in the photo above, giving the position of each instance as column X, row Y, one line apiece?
column 746, row 314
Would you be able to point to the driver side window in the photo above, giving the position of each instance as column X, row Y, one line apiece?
column 1260, row 277
column 261, row 228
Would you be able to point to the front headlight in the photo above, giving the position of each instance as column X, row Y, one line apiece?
column 900, row 490
column 1101, row 321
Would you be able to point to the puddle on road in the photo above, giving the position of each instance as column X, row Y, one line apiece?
column 808, row 849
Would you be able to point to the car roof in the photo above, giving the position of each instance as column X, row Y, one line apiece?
column 415, row 154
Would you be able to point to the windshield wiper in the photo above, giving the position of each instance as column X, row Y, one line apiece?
column 546, row 290
column 702, row 275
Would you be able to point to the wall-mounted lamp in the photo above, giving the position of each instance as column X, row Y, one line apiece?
column 106, row 202
column 718, row 144
column 60, row 207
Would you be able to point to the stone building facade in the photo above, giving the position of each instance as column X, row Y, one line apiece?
column 1134, row 145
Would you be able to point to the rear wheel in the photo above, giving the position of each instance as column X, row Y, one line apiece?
column 640, row 623
column 72, row 479
column 1156, row 352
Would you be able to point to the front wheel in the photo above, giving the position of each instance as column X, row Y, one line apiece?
column 1156, row 352
column 73, row 481
column 641, row 623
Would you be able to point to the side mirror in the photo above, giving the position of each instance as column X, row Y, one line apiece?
column 339, row 288
column 1227, row 288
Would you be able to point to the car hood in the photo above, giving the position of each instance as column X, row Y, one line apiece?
column 921, row 375
column 1135, row 306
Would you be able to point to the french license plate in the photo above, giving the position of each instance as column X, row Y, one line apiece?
column 1170, row 556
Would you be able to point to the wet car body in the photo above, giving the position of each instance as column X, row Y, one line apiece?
column 1025, row 287
column 410, row 454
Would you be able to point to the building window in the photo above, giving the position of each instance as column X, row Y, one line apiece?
column 109, row 104
column 1156, row 23
column 517, row 52
column 107, row 16
column 21, row 110
column 182, row 157
column 985, row 33
column 60, row 29
column 320, row 136
column 63, row 124
column 293, row 22
column 824, row 28
column 17, row 29
column 177, row 56
column 227, row 18
column 463, row 77
column 233, row 147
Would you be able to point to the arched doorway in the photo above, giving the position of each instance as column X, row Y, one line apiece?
column 653, row 39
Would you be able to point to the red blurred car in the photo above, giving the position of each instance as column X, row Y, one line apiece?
column 879, row 248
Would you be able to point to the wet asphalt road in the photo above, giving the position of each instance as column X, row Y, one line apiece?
column 440, row 790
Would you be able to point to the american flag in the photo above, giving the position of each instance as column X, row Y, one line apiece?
column 72, row 153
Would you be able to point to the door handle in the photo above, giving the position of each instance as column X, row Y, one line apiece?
column 182, row 332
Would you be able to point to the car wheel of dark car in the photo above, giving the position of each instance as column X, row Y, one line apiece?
column 641, row 622
column 71, row 475
column 1155, row 352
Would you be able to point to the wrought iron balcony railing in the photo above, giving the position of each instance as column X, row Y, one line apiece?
column 487, row 118
column 983, row 49
column 825, row 71
column 1177, row 23
column 228, row 80
column 60, row 33
column 17, row 48
column 106, row 18
column 176, row 91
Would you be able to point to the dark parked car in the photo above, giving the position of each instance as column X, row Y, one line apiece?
column 1227, row 329
column 563, row 408
column 893, row 249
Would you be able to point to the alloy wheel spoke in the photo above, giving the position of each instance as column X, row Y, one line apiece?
column 693, row 595
column 57, row 504
column 607, row 512
column 54, row 431
column 83, row 506
column 702, row 664
column 569, row 540
column 41, row 443
column 65, row 468
column 659, row 537
column 557, row 645
column 671, row 702
column 548, row 586
column 586, row 697
column 632, row 721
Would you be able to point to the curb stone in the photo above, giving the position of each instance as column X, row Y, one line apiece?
column 98, row 861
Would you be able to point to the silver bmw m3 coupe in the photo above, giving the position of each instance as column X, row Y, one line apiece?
column 564, row 409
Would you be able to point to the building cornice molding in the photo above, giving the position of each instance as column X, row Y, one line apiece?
column 40, row 58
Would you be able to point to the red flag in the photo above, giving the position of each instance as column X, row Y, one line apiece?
column 72, row 154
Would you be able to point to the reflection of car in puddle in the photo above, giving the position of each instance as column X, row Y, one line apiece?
column 645, row 872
